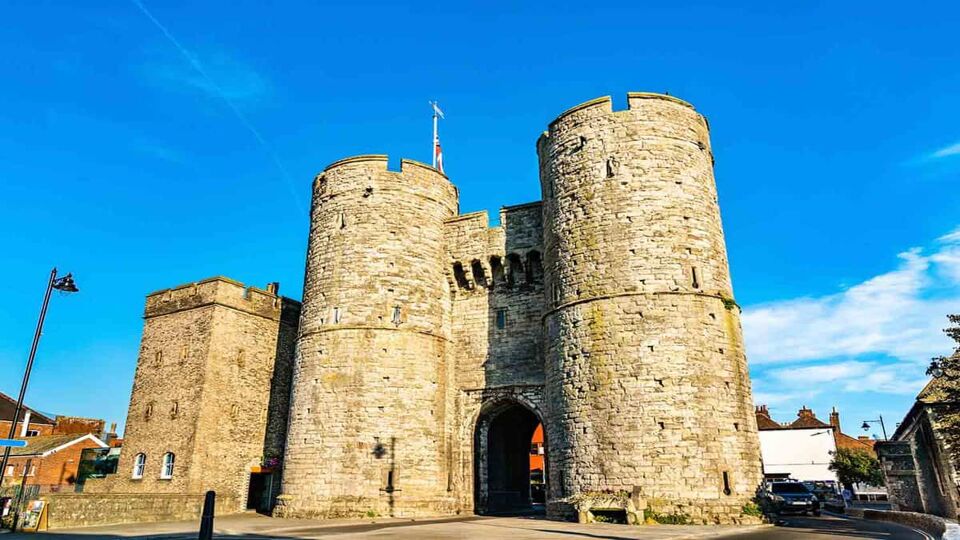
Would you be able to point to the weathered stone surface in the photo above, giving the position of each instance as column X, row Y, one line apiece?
column 646, row 378
column 83, row 510
column 212, row 386
column 606, row 311
column 371, row 418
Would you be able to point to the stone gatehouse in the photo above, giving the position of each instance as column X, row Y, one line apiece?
column 429, row 345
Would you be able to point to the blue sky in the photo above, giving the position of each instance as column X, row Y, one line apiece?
column 139, row 162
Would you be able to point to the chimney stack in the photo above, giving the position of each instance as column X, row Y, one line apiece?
column 835, row 419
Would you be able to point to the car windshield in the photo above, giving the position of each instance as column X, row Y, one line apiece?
column 789, row 487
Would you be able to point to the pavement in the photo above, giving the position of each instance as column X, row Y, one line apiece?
column 256, row 527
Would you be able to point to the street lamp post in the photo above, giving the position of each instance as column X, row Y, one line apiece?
column 64, row 284
column 866, row 425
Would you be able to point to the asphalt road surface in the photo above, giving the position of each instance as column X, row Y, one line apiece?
column 483, row 528
column 829, row 526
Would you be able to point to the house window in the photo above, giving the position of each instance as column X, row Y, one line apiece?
column 139, row 464
column 32, row 471
column 167, row 471
column 337, row 315
column 33, row 433
column 396, row 315
column 9, row 470
column 501, row 318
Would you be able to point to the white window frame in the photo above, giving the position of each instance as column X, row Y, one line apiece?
column 11, row 469
column 166, row 469
column 33, row 433
column 139, row 466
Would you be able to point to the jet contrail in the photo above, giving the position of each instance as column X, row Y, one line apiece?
column 213, row 84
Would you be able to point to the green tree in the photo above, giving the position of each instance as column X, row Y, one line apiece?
column 944, row 393
column 856, row 466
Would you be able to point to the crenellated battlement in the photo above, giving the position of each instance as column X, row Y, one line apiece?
column 653, row 106
column 222, row 291
column 370, row 173
column 508, row 255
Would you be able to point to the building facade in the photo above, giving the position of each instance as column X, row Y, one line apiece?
column 49, row 462
column 430, row 346
column 208, row 409
column 919, row 465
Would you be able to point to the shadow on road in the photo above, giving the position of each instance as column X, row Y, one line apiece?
column 836, row 527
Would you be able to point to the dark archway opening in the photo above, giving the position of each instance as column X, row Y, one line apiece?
column 510, row 465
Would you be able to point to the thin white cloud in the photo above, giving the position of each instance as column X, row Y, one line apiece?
column 235, row 81
column 894, row 315
column 947, row 151
column 849, row 376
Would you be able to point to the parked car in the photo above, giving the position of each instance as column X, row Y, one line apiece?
column 787, row 497
column 828, row 493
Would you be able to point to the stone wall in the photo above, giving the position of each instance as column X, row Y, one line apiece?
column 496, row 280
column 371, row 426
column 211, row 387
column 85, row 510
column 605, row 312
column 647, row 383
column 900, row 473
column 920, row 475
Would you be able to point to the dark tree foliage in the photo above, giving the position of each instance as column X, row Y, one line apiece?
column 857, row 466
column 945, row 392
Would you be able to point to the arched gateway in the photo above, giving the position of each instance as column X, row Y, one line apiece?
column 505, row 482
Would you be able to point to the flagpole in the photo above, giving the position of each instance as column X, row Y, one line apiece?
column 433, row 150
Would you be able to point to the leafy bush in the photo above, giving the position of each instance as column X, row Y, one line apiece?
column 666, row 519
column 752, row 509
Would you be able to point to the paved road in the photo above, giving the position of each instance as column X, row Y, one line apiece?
column 484, row 528
column 829, row 526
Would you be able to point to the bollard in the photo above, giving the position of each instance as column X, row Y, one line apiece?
column 206, row 519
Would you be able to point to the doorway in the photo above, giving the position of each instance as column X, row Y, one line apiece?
column 510, row 463
column 260, row 493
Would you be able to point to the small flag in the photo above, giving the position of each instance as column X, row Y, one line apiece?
column 438, row 155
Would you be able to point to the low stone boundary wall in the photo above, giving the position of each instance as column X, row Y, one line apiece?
column 936, row 526
column 90, row 509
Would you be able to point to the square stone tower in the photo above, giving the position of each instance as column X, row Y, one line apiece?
column 211, row 389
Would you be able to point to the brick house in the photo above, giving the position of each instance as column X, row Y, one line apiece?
column 37, row 423
column 50, row 461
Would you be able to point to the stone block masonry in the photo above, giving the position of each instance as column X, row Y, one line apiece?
column 211, row 389
column 606, row 312
column 430, row 345
column 646, row 378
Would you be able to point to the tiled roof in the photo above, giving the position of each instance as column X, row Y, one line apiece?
column 764, row 422
column 806, row 419
column 44, row 443
column 851, row 443
column 8, row 405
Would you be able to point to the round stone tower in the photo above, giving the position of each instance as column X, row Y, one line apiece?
column 369, row 423
column 646, row 378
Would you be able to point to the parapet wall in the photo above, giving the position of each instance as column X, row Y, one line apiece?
column 89, row 509
column 223, row 291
